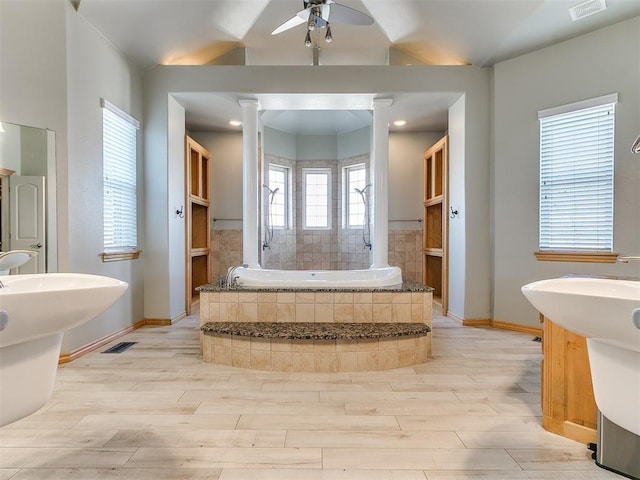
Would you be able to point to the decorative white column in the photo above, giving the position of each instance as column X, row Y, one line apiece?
column 250, row 174
column 380, row 180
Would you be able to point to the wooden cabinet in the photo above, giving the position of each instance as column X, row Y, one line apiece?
column 197, row 216
column 568, row 404
column 435, row 220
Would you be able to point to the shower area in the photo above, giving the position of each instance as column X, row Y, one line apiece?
column 316, row 213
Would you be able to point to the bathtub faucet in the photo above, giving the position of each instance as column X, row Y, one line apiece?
column 230, row 280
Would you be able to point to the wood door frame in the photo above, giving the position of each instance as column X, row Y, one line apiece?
column 200, row 197
column 430, row 199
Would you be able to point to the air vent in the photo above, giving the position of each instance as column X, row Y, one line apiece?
column 119, row 347
column 585, row 9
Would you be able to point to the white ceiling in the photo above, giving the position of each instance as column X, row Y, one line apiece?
column 437, row 32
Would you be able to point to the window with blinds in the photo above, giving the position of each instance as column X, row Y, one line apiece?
column 119, row 157
column 576, row 176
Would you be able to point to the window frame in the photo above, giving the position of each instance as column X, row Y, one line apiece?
column 348, row 190
column 114, row 251
column 286, row 171
column 572, row 252
column 316, row 170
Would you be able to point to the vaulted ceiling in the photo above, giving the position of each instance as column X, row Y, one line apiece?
column 429, row 32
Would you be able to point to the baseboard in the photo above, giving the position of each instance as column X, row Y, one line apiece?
column 477, row 322
column 67, row 357
column 516, row 327
column 487, row 322
column 158, row 322
column 163, row 322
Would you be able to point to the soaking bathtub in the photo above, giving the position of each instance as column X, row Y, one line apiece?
column 370, row 278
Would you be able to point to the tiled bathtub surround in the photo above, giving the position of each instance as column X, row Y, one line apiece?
column 298, row 249
column 404, row 251
column 411, row 303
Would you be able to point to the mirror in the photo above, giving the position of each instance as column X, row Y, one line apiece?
column 28, row 194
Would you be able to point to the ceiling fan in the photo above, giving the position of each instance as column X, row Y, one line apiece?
column 317, row 14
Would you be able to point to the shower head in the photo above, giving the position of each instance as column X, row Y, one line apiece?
column 271, row 192
column 364, row 190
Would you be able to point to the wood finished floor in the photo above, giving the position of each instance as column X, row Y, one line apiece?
column 158, row 412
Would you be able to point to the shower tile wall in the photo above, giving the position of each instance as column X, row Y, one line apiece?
column 300, row 249
column 226, row 250
column 282, row 251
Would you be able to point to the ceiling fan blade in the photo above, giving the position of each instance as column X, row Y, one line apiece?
column 292, row 22
column 346, row 15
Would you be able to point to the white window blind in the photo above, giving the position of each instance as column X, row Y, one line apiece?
column 119, row 183
column 576, row 176
column 355, row 178
column 277, row 207
column 317, row 196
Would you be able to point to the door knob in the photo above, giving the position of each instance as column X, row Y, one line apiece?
column 36, row 245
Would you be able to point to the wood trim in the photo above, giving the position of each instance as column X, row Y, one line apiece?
column 120, row 256
column 487, row 322
column 516, row 327
column 591, row 257
column 164, row 322
column 477, row 322
column 7, row 172
column 67, row 357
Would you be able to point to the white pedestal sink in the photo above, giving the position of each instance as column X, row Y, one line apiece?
column 35, row 310
column 606, row 312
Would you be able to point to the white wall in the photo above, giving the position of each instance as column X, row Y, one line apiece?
column 96, row 70
column 351, row 144
column 406, row 153
column 599, row 63
column 33, row 84
column 33, row 151
column 176, row 199
column 226, row 182
column 10, row 143
column 457, row 229
column 316, row 147
column 281, row 144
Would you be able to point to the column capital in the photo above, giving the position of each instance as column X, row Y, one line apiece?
column 249, row 102
column 382, row 102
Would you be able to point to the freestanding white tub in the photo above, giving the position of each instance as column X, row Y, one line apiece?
column 370, row 278
column 35, row 310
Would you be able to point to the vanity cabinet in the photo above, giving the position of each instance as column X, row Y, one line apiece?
column 435, row 220
column 197, row 216
column 568, row 403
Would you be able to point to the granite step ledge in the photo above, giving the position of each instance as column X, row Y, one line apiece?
column 315, row 331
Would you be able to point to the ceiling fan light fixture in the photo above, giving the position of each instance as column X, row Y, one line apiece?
column 328, row 37
column 311, row 23
column 307, row 39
